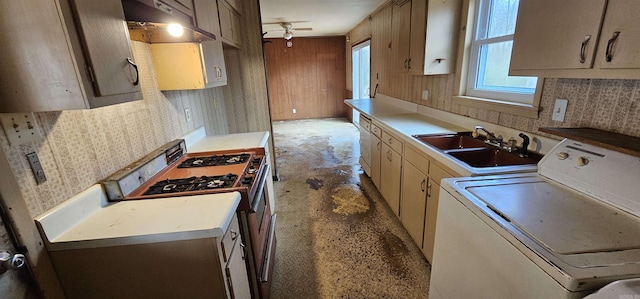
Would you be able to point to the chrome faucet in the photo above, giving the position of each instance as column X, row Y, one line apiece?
column 490, row 136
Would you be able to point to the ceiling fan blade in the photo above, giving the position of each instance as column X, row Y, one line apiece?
column 303, row 29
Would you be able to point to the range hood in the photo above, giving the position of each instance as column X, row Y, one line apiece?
column 147, row 21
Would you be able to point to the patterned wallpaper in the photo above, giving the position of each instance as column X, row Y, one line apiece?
column 610, row 105
column 82, row 147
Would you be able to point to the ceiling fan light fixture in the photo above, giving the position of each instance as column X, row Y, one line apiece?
column 288, row 35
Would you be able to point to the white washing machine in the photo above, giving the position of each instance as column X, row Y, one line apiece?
column 563, row 232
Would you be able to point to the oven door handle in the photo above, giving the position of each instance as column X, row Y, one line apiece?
column 263, row 180
column 267, row 259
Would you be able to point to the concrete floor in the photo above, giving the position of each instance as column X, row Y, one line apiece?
column 337, row 238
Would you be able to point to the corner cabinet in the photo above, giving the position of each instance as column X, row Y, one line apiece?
column 425, row 34
column 182, row 66
column 578, row 39
column 76, row 56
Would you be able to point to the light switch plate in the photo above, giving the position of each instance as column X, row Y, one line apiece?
column 187, row 114
column 425, row 94
column 559, row 110
column 36, row 167
column 20, row 128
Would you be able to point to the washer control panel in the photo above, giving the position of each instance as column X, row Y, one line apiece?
column 607, row 175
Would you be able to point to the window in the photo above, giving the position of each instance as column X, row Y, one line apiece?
column 491, row 53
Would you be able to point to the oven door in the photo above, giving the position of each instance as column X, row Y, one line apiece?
column 262, row 230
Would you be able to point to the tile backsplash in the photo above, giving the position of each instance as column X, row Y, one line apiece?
column 82, row 147
column 606, row 104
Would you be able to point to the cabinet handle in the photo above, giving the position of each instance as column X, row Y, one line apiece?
column 612, row 40
column 234, row 235
column 409, row 64
column 378, row 145
column 390, row 140
column 135, row 66
column 218, row 73
column 422, row 184
column 244, row 250
column 429, row 190
column 583, row 48
column 389, row 155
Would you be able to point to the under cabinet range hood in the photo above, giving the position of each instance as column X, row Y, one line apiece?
column 148, row 20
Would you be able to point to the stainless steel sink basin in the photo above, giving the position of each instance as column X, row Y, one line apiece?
column 493, row 157
column 475, row 152
column 449, row 142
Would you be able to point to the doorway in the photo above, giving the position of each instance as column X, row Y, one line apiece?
column 360, row 73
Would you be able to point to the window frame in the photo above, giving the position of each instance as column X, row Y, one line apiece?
column 485, row 99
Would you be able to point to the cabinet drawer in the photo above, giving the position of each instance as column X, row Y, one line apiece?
column 393, row 142
column 365, row 124
column 415, row 158
column 375, row 130
column 232, row 234
column 437, row 173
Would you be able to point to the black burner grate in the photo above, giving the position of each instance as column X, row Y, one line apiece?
column 192, row 184
column 215, row 160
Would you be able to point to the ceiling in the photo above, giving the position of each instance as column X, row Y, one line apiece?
column 325, row 17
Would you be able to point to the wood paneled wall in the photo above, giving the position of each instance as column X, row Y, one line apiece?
column 309, row 77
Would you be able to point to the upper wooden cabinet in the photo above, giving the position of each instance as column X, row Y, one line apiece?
column 206, row 12
column 229, row 23
column 181, row 66
column 425, row 34
column 77, row 58
column 578, row 39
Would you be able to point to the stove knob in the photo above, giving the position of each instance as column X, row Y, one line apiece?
column 562, row 155
column 582, row 161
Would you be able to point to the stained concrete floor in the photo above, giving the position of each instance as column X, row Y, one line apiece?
column 337, row 237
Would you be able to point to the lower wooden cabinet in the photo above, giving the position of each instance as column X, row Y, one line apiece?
column 390, row 177
column 420, row 192
column 414, row 201
column 376, row 154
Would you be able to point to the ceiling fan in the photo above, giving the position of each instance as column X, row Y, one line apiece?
column 288, row 28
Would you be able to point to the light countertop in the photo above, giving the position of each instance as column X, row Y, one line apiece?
column 79, row 223
column 197, row 141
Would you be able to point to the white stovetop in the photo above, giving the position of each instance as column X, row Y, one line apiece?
column 88, row 220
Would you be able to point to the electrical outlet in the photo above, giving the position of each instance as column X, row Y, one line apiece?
column 425, row 94
column 187, row 114
column 215, row 104
column 36, row 167
column 294, row 111
column 20, row 128
column 559, row 110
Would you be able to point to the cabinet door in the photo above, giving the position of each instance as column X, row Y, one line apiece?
column 417, row 37
column 206, row 12
column 105, row 39
column 401, row 28
column 439, row 50
column 414, row 200
column 554, row 34
column 433, row 195
column 623, row 49
column 237, row 278
column 216, row 72
column 229, row 24
column 178, row 66
column 37, row 64
column 390, row 177
column 376, row 150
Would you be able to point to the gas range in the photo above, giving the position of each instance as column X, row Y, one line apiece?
column 184, row 174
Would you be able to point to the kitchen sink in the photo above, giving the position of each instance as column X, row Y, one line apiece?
column 492, row 157
column 475, row 152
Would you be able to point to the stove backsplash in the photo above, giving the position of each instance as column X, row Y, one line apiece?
column 82, row 147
